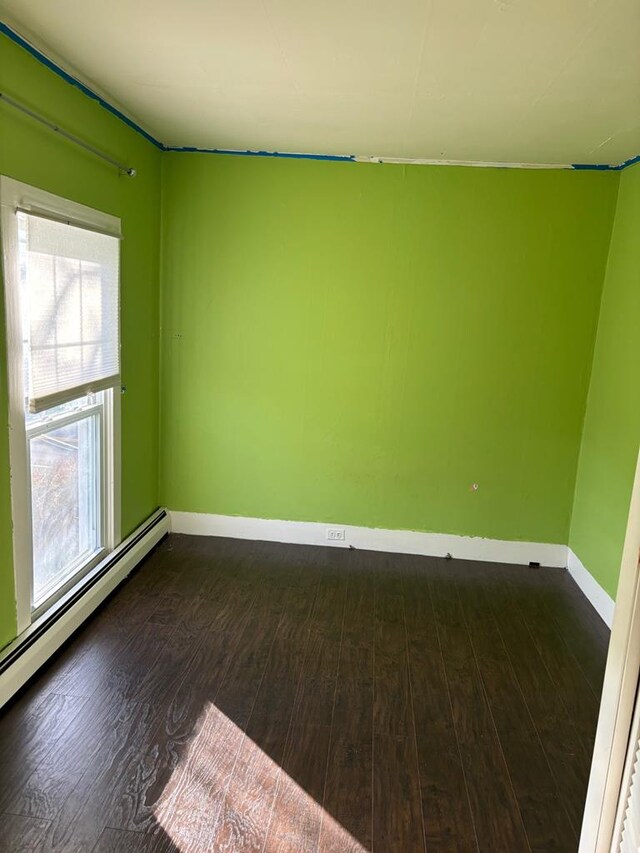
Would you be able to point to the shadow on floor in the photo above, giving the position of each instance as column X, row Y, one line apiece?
column 236, row 696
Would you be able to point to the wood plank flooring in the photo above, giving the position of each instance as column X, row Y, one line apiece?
column 244, row 696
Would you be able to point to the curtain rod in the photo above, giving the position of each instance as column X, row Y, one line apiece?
column 127, row 170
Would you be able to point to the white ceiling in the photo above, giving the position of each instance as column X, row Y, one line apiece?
column 539, row 81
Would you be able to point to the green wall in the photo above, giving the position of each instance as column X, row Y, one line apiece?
column 612, row 423
column 356, row 343
column 33, row 154
column 360, row 343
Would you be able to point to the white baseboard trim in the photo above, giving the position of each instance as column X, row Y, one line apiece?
column 599, row 598
column 370, row 539
column 400, row 542
column 28, row 652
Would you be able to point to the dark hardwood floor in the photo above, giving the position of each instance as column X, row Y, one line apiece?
column 245, row 696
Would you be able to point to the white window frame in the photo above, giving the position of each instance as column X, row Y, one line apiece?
column 15, row 194
column 76, row 569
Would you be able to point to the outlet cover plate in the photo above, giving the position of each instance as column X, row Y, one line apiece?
column 335, row 534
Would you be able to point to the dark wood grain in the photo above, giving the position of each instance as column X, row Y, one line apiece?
column 31, row 735
column 392, row 700
column 347, row 823
column 348, row 801
column 397, row 811
column 582, row 704
column 123, row 841
column 544, row 816
column 494, row 806
column 245, row 815
column 195, row 745
column 249, row 696
column 448, row 822
column 568, row 613
column 20, row 834
column 568, row 758
column 397, row 804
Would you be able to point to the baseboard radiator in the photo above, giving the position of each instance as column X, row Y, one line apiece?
column 22, row 658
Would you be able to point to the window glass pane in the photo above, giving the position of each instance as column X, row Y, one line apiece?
column 65, row 487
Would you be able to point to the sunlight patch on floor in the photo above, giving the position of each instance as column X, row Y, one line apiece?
column 228, row 789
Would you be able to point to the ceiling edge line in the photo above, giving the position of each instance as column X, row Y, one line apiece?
column 73, row 81
column 630, row 162
column 480, row 164
column 596, row 167
column 41, row 57
column 289, row 155
column 400, row 161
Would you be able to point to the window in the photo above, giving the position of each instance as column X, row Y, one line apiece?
column 69, row 299
column 61, row 264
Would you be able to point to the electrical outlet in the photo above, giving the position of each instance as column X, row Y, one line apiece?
column 335, row 534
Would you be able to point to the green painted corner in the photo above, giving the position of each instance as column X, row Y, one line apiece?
column 611, row 433
column 360, row 343
column 356, row 343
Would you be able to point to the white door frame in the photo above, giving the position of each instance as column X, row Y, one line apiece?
column 618, row 696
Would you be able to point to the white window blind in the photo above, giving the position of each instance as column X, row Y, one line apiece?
column 627, row 826
column 72, row 309
column 630, row 836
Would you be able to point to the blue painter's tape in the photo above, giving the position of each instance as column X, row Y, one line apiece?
column 605, row 168
column 594, row 167
column 349, row 158
column 630, row 162
column 74, row 82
